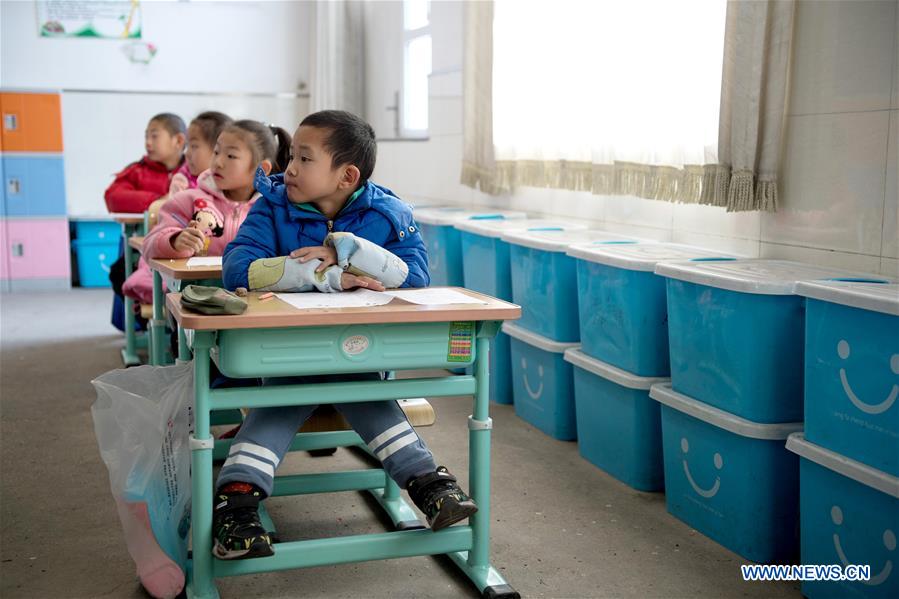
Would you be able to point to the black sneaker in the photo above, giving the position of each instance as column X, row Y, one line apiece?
column 443, row 502
column 236, row 529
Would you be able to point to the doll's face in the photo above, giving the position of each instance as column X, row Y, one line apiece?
column 205, row 222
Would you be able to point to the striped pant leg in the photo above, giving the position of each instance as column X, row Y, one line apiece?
column 260, row 445
column 384, row 427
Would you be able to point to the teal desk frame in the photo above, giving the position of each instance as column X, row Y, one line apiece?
column 393, row 345
column 130, row 226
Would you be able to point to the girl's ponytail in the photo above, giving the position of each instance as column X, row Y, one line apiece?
column 282, row 154
column 267, row 142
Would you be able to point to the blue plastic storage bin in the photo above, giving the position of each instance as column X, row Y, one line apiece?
column 486, row 269
column 103, row 231
column 849, row 515
column 622, row 306
column 731, row 479
column 619, row 429
column 94, row 261
column 544, row 282
column 852, row 370
column 542, row 383
column 736, row 334
column 443, row 242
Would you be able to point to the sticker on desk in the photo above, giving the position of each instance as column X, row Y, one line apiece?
column 434, row 297
column 461, row 336
column 360, row 298
column 355, row 345
column 204, row 262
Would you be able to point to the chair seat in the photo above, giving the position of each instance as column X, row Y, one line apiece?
column 326, row 419
column 146, row 311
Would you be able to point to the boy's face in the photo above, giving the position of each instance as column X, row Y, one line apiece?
column 310, row 176
column 161, row 145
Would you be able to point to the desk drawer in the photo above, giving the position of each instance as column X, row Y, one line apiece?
column 246, row 353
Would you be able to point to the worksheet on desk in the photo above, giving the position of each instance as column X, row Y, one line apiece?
column 204, row 262
column 434, row 297
column 359, row 298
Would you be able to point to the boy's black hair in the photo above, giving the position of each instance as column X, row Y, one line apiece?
column 211, row 123
column 350, row 139
column 173, row 123
column 267, row 142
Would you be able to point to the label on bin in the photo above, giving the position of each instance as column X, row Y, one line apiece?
column 461, row 336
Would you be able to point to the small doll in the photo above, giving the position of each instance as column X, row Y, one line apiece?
column 208, row 220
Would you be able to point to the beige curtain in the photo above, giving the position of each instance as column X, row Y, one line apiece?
column 478, row 164
column 754, row 92
column 337, row 79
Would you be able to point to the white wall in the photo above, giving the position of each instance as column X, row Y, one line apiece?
column 839, row 202
column 230, row 56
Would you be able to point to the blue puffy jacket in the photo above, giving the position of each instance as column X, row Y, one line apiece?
column 275, row 227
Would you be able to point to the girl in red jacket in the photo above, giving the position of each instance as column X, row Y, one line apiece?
column 142, row 182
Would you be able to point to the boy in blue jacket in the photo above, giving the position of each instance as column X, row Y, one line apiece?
column 322, row 225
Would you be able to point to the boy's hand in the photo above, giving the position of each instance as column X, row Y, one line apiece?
column 350, row 281
column 189, row 239
column 327, row 255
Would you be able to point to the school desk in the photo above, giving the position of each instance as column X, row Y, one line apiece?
column 132, row 224
column 176, row 273
column 272, row 338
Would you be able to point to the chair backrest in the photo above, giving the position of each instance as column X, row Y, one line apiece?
column 152, row 214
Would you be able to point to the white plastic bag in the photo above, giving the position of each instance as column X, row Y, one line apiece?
column 143, row 418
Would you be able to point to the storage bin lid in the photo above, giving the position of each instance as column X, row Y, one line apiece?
column 861, row 473
column 664, row 394
column 538, row 341
column 559, row 241
column 642, row 256
column 764, row 277
column 448, row 215
column 867, row 295
column 495, row 228
column 611, row 373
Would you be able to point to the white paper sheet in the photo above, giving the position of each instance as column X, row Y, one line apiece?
column 204, row 262
column 434, row 297
column 348, row 299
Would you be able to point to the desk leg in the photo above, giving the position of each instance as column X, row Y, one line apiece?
column 476, row 563
column 157, row 325
column 183, row 350
column 129, row 354
column 201, row 583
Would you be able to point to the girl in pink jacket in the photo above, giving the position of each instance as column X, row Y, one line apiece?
column 204, row 220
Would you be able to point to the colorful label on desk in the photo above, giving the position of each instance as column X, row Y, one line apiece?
column 461, row 336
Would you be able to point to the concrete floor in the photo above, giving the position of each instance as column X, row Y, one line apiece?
column 561, row 527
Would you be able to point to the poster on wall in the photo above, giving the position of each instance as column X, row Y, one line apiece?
column 118, row 19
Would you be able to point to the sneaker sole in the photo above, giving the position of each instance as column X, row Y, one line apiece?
column 258, row 549
column 452, row 513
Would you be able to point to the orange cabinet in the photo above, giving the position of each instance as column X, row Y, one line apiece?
column 31, row 122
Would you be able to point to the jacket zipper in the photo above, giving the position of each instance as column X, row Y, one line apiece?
column 330, row 226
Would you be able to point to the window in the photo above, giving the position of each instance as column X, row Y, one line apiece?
column 601, row 82
column 416, row 67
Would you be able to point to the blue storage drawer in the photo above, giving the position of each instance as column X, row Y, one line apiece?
column 104, row 231
column 34, row 186
column 622, row 304
column 849, row 515
column 443, row 242
column 544, row 282
column 731, row 479
column 736, row 334
column 94, row 261
column 619, row 428
column 852, row 370
column 542, row 383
